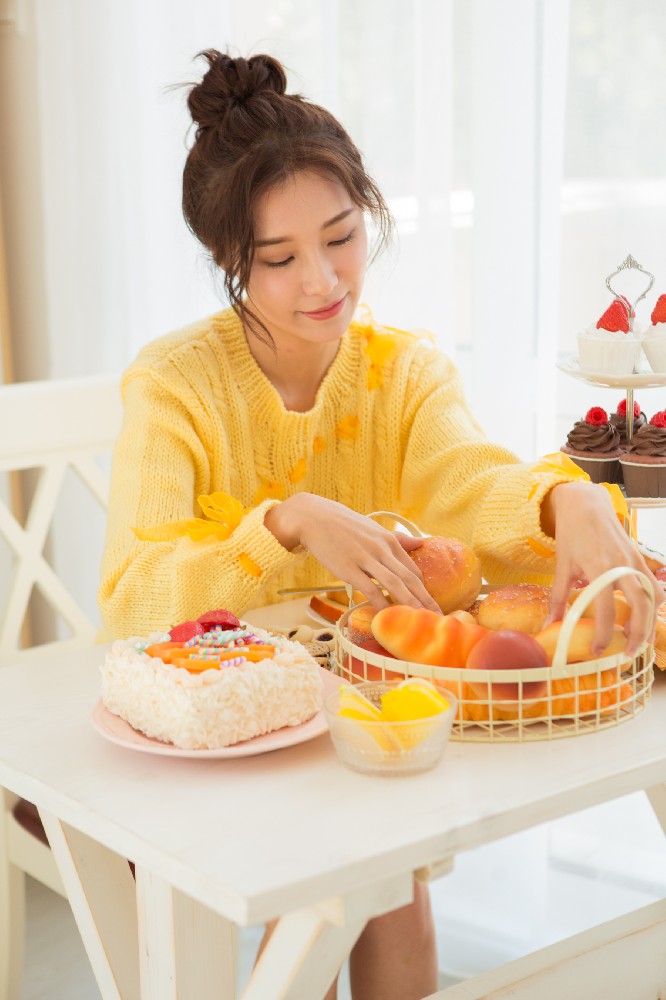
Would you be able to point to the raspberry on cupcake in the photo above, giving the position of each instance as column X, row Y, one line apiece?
column 654, row 337
column 594, row 445
column 611, row 347
column 644, row 461
column 619, row 420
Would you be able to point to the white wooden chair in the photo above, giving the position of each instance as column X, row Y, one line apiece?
column 56, row 428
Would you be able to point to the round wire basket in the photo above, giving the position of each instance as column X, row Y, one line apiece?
column 565, row 699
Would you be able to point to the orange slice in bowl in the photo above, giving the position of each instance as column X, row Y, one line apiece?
column 413, row 708
column 354, row 705
column 371, row 735
column 412, row 700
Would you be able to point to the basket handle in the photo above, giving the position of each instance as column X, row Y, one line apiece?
column 576, row 610
column 413, row 530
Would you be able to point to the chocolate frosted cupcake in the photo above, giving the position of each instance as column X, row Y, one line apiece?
column 644, row 461
column 594, row 445
column 619, row 420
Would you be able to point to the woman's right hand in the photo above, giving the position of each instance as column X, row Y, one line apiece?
column 354, row 548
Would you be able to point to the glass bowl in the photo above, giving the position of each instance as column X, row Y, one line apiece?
column 389, row 748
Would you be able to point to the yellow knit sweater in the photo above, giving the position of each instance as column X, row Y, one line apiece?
column 389, row 430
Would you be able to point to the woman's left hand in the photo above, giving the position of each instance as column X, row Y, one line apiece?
column 591, row 540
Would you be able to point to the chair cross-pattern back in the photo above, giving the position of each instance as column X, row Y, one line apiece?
column 51, row 427
column 55, row 428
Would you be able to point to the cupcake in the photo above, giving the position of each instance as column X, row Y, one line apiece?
column 619, row 420
column 594, row 445
column 654, row 337
column 611, row 347
column 644, row 461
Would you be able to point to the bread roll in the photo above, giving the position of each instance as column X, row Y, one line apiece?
column 359, row 625
column 520, row 607
column 582, row 638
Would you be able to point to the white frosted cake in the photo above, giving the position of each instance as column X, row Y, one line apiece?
column 239, row 683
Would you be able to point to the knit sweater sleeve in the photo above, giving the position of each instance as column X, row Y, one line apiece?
column 161, row 464
column 455, row 482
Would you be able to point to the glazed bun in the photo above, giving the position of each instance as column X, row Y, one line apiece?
column 451, row 572
column 360, row 624
column 231, row 82
column 521, row 607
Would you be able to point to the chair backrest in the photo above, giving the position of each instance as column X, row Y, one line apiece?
column 51, row 427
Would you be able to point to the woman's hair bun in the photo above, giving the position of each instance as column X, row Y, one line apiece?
column 229, row 82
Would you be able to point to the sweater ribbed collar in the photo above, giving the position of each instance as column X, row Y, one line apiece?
column 338, row 382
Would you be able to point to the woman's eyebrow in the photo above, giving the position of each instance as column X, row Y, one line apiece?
column 289, row 239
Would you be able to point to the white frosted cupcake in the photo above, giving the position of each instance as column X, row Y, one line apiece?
column 654, row 338
column 611, row 347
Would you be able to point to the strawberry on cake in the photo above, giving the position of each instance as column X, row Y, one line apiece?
column 211, row 682
column 611, row 347
column 654, row 337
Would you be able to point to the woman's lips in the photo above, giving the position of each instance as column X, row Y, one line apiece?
column 328, row 311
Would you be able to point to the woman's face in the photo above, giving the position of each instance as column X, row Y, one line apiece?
column 310, row 260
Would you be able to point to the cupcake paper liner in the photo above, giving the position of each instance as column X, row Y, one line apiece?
column 600, row 470
column 614, row 357
column 655, row 352
column 644, row 480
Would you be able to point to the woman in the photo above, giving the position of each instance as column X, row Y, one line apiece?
column 307, row 418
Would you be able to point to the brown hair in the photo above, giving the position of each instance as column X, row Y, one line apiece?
column 251, row 136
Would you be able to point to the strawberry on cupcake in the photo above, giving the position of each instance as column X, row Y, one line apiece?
column 594, row 444
column 611, row 347
column 619, row 420
column 654, row 337
column 644, row 461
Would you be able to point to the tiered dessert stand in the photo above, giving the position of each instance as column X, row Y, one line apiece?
column 642, row 379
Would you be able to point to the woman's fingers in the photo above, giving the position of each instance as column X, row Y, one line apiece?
column 354, row 549
column 643, row 619
column 604, row 620
column 590, row 540
column 405, row 587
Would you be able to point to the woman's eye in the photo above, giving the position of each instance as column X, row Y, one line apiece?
column 278, row 263
column 339, row 243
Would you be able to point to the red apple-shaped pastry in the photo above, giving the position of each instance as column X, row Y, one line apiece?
column 451, row 572
column 507, row 650
column 368, row 671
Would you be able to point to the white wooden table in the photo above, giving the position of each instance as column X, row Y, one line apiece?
column 293, row 834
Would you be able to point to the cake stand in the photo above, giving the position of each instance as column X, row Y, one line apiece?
column 642, row 379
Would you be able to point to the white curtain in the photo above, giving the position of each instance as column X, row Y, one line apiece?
column 475, row 261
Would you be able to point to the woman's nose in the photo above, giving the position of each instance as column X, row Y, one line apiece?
column 319, row 277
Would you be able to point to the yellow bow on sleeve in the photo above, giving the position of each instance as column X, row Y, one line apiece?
column 224, row 514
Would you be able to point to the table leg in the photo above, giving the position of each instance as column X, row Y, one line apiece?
column 101, row 893
column 185, row 949
column 657, row 797
column 308, row 947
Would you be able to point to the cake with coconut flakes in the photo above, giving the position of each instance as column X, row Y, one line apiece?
column 210, row 683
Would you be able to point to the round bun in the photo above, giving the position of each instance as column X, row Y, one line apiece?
column 229, row 82
column 451, row 572
column 360, row 624
column 521, row 607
